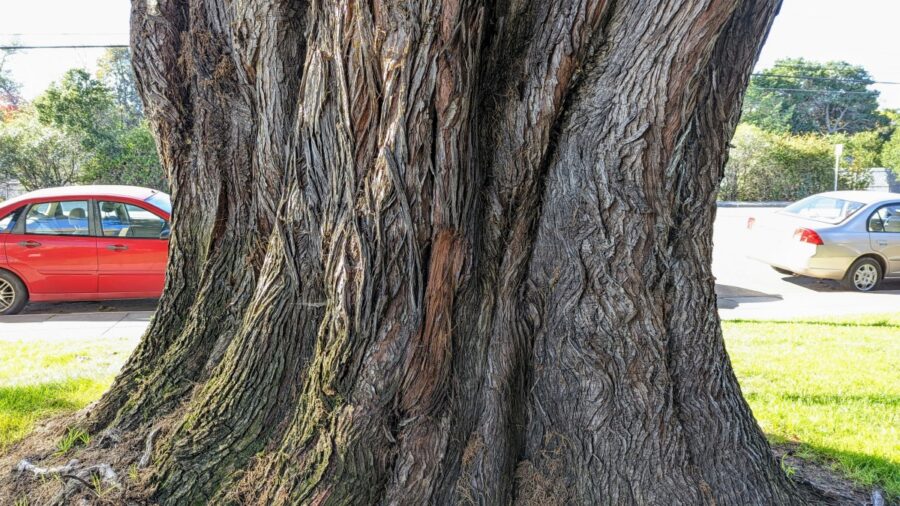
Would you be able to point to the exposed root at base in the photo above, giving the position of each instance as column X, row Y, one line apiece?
column 148, row 449
column 112, row 469
column 97, row 479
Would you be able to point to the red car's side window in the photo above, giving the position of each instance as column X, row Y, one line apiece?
column 118, row 219
column 58, row 218
column 8, row 221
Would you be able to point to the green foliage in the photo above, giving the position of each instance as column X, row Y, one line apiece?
column 114, row 70
column 890, row 153
column 9, row 88
column 800, row 96
column 862, row 151
column 37, row 155
column 119, row 146
column 134, row 162
column 79, row 105
column 770, row 166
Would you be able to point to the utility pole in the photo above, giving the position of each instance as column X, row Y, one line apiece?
column 838, row 149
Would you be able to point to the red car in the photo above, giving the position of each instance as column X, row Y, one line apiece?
column 83, row 243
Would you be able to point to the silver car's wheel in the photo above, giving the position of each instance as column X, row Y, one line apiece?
column 13, row 295
column 864, row 275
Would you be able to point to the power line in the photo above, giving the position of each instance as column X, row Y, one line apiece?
column 862, row 92
column 811, row 65
column 815, row 66
column 19, row 34
column 834, row 79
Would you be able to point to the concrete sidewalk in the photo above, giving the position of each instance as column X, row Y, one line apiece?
column 748, row 304
column 75, row 325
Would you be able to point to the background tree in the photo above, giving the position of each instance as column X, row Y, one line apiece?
column 767, row 166
column 891, row 154
column 770, row 166
column 436, row 252
column 81, row 106
column 862, row 151
column 109, row 128
column 114, row 70
column 38, row 156
column 802, row 96
column 10, row 97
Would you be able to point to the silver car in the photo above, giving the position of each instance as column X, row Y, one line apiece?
column 851, row 236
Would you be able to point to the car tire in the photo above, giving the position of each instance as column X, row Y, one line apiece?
column 779, row 270
column 864, row 275
column 13, row 294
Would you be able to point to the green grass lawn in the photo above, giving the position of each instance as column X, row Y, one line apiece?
column 833, row 386
column 41, row 377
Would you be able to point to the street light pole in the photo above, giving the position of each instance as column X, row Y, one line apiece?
column 838, row 149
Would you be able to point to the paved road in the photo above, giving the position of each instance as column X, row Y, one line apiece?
column 746, row 288
column 751, row 289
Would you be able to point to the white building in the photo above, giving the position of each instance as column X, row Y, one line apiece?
column 884, row 180
column 10, row 189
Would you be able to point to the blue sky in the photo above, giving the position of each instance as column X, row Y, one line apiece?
column 863, row 32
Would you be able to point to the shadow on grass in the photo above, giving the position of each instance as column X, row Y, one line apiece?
column 875, row 322
column 830, row 399
column 866, row 470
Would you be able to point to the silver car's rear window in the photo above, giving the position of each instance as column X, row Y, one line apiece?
column 824, row 209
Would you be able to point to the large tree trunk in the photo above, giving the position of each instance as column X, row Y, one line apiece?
column 446, row 251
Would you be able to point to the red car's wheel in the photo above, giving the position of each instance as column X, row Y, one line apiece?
column 13, row 295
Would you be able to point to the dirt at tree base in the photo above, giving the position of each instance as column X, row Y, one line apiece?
column 39, row 448
column 817, row 474
column 121, row 451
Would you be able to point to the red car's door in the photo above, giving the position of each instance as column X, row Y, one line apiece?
column 53, row 251
column 132, row 250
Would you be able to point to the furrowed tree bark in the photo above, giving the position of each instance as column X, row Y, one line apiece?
column 444, row 251
column 240, row 166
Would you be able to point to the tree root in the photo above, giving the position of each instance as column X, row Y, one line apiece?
column 24, row 466
column 75, row 478
column 148, row 449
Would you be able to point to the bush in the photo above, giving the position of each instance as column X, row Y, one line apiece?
column 770, row 166
column 36, row 155
column 890, row 155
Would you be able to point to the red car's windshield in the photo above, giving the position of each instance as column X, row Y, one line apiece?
column 161, row 200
